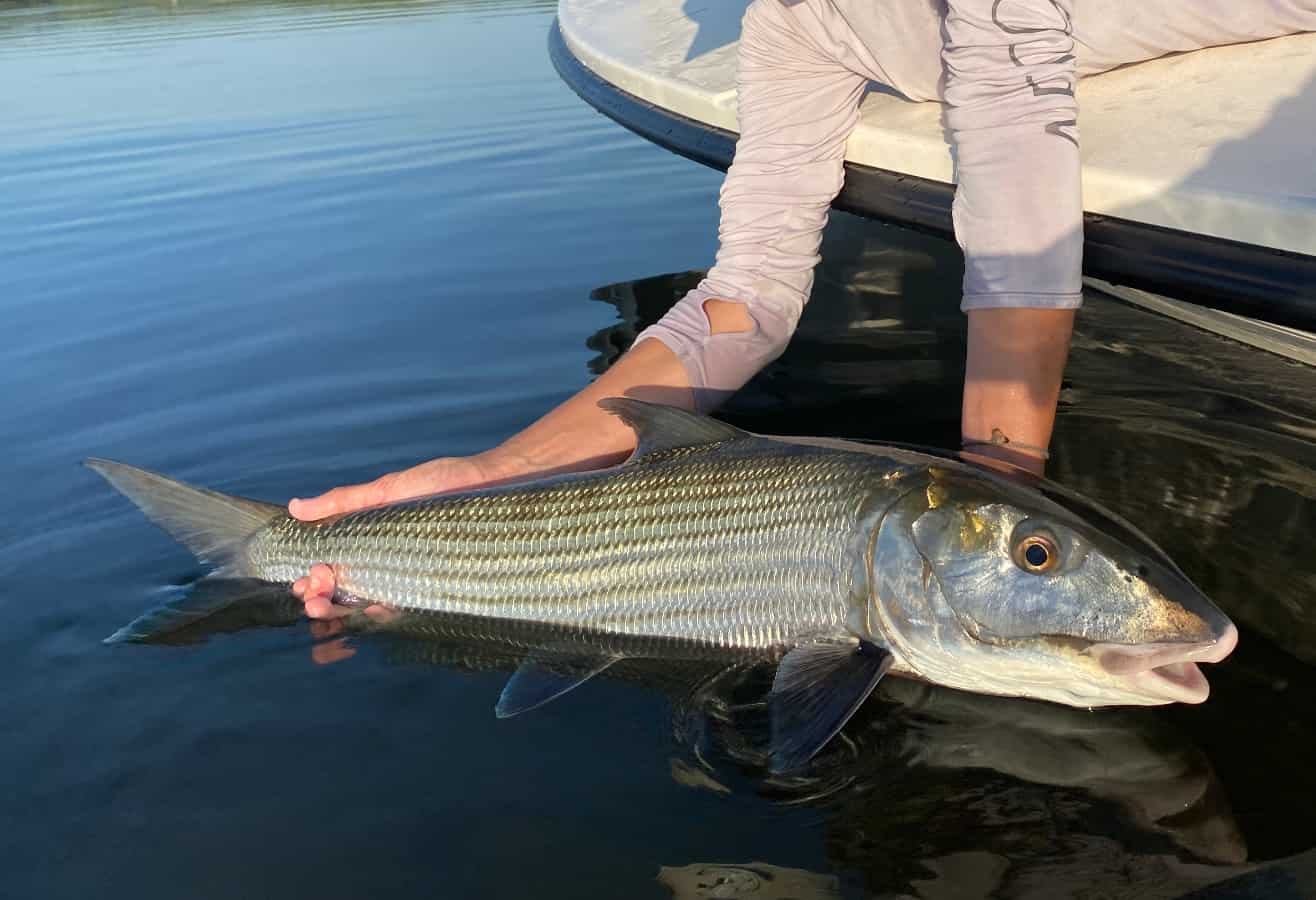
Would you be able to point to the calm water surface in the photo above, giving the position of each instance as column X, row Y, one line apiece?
column 276, row 247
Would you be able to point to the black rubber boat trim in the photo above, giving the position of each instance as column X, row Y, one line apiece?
column 1261, row 282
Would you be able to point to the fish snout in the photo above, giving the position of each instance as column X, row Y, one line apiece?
column 1179, row 612
column 1167, row 672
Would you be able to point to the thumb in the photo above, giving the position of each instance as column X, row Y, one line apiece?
column 348, row 498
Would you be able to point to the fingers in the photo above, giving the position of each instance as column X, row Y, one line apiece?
column 433, row 477
column 319, row 582
column 341, row 500
column 328, row 652
column 324, row 608
column 316, row 590
column 331, row 645
column 321, row 631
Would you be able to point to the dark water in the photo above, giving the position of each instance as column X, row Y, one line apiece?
column 273, row 248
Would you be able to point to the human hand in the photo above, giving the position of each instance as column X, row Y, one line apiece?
column 437, row 476
column 575, row 436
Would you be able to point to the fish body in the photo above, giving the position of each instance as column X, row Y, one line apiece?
column 845, row 560
column 748, row 544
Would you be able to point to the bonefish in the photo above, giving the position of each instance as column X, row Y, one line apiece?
column 843, row 561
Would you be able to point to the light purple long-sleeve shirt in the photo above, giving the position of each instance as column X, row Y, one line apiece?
column 1005, row 70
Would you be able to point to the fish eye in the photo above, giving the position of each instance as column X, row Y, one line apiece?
column 1036, row 553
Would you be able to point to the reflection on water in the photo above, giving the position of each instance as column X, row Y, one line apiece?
column 756, row 879
column 1016, row 797
column 276, row 246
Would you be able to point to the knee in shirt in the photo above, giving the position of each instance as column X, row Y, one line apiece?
column 1032, row 37
column 1043, row 20
column 1039, row 36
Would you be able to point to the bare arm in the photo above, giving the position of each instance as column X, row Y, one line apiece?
column 575, row 436
column 1012, row 116
column 796, row 106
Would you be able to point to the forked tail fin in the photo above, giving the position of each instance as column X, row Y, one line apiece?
column 212, row 525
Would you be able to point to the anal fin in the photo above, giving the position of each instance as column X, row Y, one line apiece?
column 535, row 683
column 818, row 687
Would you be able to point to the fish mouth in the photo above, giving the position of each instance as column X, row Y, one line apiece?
column 1167, row 672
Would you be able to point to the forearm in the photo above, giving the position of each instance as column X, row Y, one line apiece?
column 1018, row 215
column 1016, row 359
column 796, row 106
column 578, row 434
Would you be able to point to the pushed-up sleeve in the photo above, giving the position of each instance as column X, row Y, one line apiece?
column 796, row 105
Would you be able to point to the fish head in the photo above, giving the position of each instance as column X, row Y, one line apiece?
column 989, row 585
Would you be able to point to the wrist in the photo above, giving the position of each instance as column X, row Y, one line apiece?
column 1026, row 457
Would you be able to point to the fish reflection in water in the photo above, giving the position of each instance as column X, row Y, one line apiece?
column 924, row 780
column 1035, row 786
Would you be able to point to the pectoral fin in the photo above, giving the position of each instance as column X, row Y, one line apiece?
column 817, row 689
column 534, row 683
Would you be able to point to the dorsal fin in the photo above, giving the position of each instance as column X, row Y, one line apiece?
column 658, row 427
